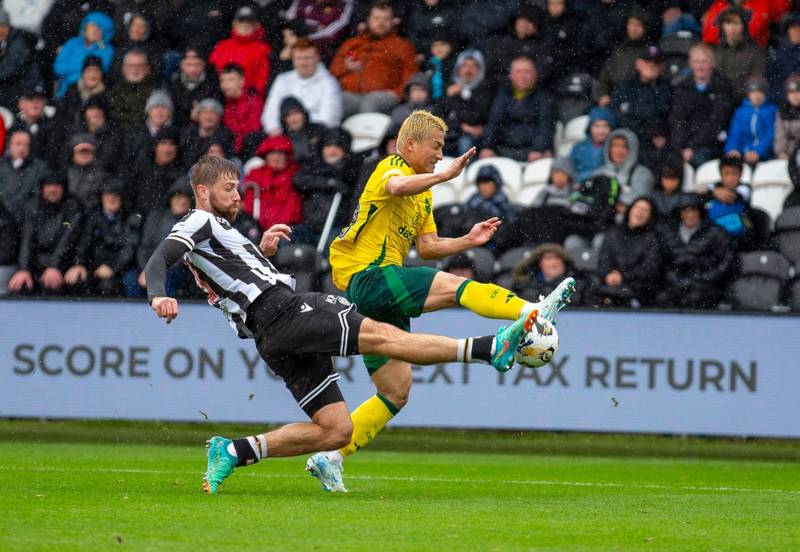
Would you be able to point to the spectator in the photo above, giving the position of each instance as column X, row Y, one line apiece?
column 490, row 201
column 527, row 38
column 787, row 125
column 305, row 135
column 128, row 97
column 90, row 84
column 466, row 103
column 327, row 21
column 280, row 202
column 643, row 102
column 280, row 60
column 630, row 259
column 63, row 18
column 738, row 57
column 109, row 138
column 159, row 111
column 18, row 71
column 373, row 67
column 753, row 127
column 94, row 39
column 106, row 247
column 729, row 199
column 189, row 85
column 139, row 36
column 621, row 162
column 9, row 247
column 701, row 108
column 84, row 174
column 20, row 173
column 156, row 171
column 197, row 137
column 523, row 117
column 418, row 97
column 243, row 107
column 439, row 66
column 563, row 32
column 760, row 14
column 559, row 186
column 157, row 226
column 677, row 20
column 587, row 155
column 657, row 150
column 699, row 259
column 667, row 194
column 33, row 118
column 201, row 24
column 540, row 273
column 784, row 60
column 309, row 82
column 334, row 171
column 246, row 48
column 427, row 18
column 50, row 232
column 621, row 65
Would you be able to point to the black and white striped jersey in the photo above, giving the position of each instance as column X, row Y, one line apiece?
column 232, row 271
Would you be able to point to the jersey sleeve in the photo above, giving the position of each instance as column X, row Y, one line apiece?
column 192, row 230
column 383, row 172
column 428, row 224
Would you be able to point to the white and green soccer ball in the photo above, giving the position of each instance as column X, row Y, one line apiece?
column 538, row 345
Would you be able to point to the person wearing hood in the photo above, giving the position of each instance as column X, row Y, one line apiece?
column 630, row 260
column 559, row 185
column 247, row 48
column 787, row 125
column 738, row 57
column 20, row 173
column 587, row 155
column 84, row 175
column 156, row 170
column 489, row 201
column 109, row 138
column 526, row 38
column 417, row 97
column 33, row 117
column 522, row 121
column 90, row 84
column 128, row 96
column 139, row 35
column 94, row 39
column 466, row 104
column 191, row 83
column 51, row 230
column 335, row 170
column 197, row 137
column 753, row 127
column 279, row 201
column 621, row 161
column 311, row 83
column 305, row 135
column 784, row 59
column 243, row 106
column 156, row 226
column 438, row 67
column 699, row 258
column 539, row 273
column 762, row 13
column 621, row 65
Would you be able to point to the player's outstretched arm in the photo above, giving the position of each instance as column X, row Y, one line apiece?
column 155, row 272
column 273, row 236
column 417, row 183
column 431, row 246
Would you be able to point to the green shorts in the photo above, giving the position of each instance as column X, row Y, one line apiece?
column 391, row 294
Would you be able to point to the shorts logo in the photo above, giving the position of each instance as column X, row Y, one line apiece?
column 333, row 299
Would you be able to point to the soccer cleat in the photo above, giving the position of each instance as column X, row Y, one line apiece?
column 559, row 298
column 220, row 464
column 327, row 471
column 507, row 340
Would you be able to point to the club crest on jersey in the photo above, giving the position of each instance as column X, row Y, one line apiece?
column 222, row 222
column 333, row 299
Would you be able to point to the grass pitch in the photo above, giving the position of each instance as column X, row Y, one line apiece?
column 59, row 490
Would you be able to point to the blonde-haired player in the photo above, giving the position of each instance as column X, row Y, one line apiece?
column 395, row 211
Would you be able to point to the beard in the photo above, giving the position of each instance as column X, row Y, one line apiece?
column 229, row 213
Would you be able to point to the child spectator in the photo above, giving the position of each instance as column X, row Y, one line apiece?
column 439, row 66
column 753, row 127
column 418, row 97
column 246, row 48
column 559, row 186
column 587, row 155
column 279, row 201
column 94, row 39
column 668, row 192
column 243, row 106
column 488, row 202
column 729, row 198
column 787, row 125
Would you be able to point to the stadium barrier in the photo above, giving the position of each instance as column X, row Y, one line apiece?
column 708, row 374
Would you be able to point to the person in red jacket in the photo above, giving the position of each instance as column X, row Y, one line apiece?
column 279, row 202
column 247, row 48
column 243, row 107
column 762, row 13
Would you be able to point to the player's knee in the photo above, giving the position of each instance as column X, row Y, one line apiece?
column 339, row 435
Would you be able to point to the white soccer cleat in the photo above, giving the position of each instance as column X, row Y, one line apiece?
column 327, row 471
column 559, row 298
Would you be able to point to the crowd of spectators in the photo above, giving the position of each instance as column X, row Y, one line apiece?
column 111, row 101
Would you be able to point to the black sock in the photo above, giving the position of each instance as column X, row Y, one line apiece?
column 481, row 348
column 244, row 452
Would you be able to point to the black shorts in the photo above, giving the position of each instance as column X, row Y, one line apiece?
column 299, row 342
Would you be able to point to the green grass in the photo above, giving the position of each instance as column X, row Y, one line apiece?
column 60, row 490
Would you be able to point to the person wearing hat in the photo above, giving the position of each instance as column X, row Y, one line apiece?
column 621, row 64
column 489, row 201
column 50, row 232
column 94, row 39
column 738, row 56
column 107, row 245
column 156, row 170
column 753, row 126
column 158, row 116
column 84, row 174
column 109, row 138
column 20, row 172
column 43, row 128
column 559, row 185
column 784, row 59
column 304, row 134
column 18, row 70
column 334, row 170
column 243, row 106
column 460, row 265
column 699, row 258
column 417, row 97
column 526, row 37
column 245, row 47
column 562, row 29
column 787, row 125
column 197, row 137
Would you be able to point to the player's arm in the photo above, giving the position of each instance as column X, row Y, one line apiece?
column 166, row 255
column 272, row 237
column 431, row 246
column 404, row 185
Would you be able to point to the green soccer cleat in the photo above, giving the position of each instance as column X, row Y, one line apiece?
column 556, row 300
column 327, row 471
column 507, row 340
column 220, row 464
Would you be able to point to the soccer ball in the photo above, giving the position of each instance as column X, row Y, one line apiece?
column 538, row 345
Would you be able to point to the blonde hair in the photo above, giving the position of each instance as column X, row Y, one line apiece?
column 706, row 49
column 417, row 126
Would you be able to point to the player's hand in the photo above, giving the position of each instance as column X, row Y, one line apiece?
column 21, row 279
column 457, row 165
column 75, row 274
column 483, row 231
column 272, row 237
column 165, row 307
column 52, row 278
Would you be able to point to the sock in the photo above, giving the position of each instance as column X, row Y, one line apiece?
column 249, row 450
column 490, row 300
column 475, row 348
column 368, row 420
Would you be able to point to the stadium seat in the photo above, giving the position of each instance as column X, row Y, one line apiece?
column 252, row 163
column 574, row 132
column 413, row 259
column 483, row 261
column 443, row 194
column 761, row 280
column 708, row 173
column 302, row 261
column 770, row 173
column 511, row 258
column 8, row 117
column 537, row 172
column 770, row 198
column 457, row 182
column 368, row 129
column 505, row 280
column 688, row 178
column 584, row 258
column 527, row 194
column 510, row 171
column 787, row 233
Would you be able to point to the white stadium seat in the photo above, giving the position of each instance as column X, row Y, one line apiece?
column 510, row 172
column 770, row 198
column 458, row 181
column 444, row 194
column 537, row 172
column 574, row 132
column 8, row 117
column 252, row 163
column 771, row 173
column 708, row 173
column 688, row 178
column 527, row 194
column 368, row 129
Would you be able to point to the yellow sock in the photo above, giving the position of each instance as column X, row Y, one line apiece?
column 489, row 300
column 368, row 420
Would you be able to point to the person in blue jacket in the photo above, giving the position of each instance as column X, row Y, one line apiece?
column 587, row 155
column 753, row 127
column 94, row 39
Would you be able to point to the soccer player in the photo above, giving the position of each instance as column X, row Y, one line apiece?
column 395, row 212
column 296, row 334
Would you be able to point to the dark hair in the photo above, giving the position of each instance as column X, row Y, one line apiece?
column 670, row 171
column 524, row 57
column 233, row 68
column 731, row 161
column 209, row 169
column 137, row 52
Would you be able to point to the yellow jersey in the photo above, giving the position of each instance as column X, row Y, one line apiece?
column 383, row 227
